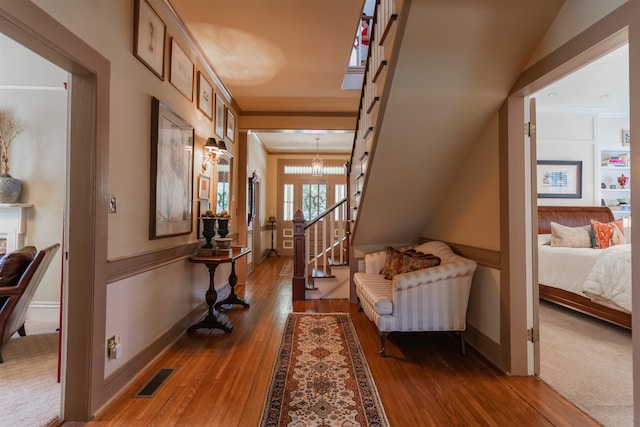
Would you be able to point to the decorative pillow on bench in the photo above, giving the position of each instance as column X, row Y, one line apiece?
column 13, row 264
column 393, row 262
column 398, row 262
column 418, row 261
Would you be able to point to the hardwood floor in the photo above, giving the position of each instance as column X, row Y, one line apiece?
column 221, row 379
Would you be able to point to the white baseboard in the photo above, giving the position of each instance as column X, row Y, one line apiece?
column 44, row 311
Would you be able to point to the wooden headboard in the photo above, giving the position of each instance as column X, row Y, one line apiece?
column 571, row 216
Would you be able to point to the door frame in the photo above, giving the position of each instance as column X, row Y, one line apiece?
column 606, row 35
column 84, row 291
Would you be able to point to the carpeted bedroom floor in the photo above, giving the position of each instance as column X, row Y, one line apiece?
column 589, row 362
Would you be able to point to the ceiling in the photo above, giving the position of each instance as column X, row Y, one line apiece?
column 295, row 62
column 601, row 86
column 281, row 56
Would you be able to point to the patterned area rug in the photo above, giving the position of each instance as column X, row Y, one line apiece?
column 321, row 377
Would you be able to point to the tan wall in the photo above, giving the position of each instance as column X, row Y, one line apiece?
column 107, row 26
column 575, row 17
column 468, row 214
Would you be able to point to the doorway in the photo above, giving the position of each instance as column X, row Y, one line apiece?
column 35, row 91
column 85, row 243
column 581, row 119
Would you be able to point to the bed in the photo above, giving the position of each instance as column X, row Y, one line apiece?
column 565, row 273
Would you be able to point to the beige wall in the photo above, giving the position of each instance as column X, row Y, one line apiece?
column 107, row 26
column 575, row 17
column 131, row 314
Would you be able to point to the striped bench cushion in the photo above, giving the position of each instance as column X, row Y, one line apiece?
column 375, row 290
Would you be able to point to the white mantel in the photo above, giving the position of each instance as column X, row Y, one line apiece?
column 13, row 225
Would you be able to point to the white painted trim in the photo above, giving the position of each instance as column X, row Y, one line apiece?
column 44, row 311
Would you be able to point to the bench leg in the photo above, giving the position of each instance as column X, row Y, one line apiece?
column 383, row 341
column 462, row 345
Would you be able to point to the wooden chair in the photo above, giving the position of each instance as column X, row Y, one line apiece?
column 15, row 300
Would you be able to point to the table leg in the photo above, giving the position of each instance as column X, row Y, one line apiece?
column 233, row 298
column 213, row 319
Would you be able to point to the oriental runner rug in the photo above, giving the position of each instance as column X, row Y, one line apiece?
column 321, row 377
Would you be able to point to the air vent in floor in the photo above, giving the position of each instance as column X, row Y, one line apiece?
column 154, row 384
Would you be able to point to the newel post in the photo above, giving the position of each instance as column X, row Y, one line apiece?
column 299, row 279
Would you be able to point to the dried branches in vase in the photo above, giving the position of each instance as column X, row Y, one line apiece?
column 10, row 128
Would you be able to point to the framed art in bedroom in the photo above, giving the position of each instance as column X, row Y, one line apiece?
column 559, row 179
column 626, row 137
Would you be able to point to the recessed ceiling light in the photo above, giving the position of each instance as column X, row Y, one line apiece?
column 552, row 94
column 605, row 96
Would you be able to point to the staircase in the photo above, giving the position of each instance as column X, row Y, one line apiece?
column 321, row 254
column 322, row 245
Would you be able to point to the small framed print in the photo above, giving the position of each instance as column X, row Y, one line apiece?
column 231, row 125
column 559, row 179
column 148, row 39
column 205, row 96
column 181, row 75
column 203, row 187
column 220, row 108
column 626, row 137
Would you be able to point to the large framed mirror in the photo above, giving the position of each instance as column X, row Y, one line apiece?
column 223, row 183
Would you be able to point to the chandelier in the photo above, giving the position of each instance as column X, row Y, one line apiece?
column 316, row 164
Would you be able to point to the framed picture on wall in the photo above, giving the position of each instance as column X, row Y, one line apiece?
column 626, row 137
column 220, row 108
column 231, row 125
column 181, row 73
column 205, row 96
column 204, row 187
column 171, row 173
column 148, row 38
column 559, row 179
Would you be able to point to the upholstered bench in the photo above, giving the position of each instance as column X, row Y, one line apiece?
column 429, row 299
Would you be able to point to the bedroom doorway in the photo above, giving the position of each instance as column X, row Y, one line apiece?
column 572, row 128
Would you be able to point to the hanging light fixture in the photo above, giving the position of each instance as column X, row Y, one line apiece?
column 316, row 164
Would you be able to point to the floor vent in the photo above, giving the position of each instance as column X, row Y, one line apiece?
column 154, row 384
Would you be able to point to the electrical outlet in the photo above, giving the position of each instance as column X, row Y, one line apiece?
column 111, row 347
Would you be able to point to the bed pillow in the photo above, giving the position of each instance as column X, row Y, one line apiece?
column 607, row 234
column 418, row 261
column 570, row 237
column 544, row 239
column 393, row 262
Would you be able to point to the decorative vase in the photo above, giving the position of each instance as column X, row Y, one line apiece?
column 208, row 230
column 622, row 180
column 223, row 227
column 10, row 189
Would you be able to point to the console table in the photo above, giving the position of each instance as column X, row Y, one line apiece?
column 213, row 318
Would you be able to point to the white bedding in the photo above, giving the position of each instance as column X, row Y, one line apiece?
column 609, row 281
column 606, row 273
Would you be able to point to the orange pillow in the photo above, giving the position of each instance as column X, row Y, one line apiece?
column 607, row 234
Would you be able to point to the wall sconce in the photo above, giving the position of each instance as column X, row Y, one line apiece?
column 210, row 153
